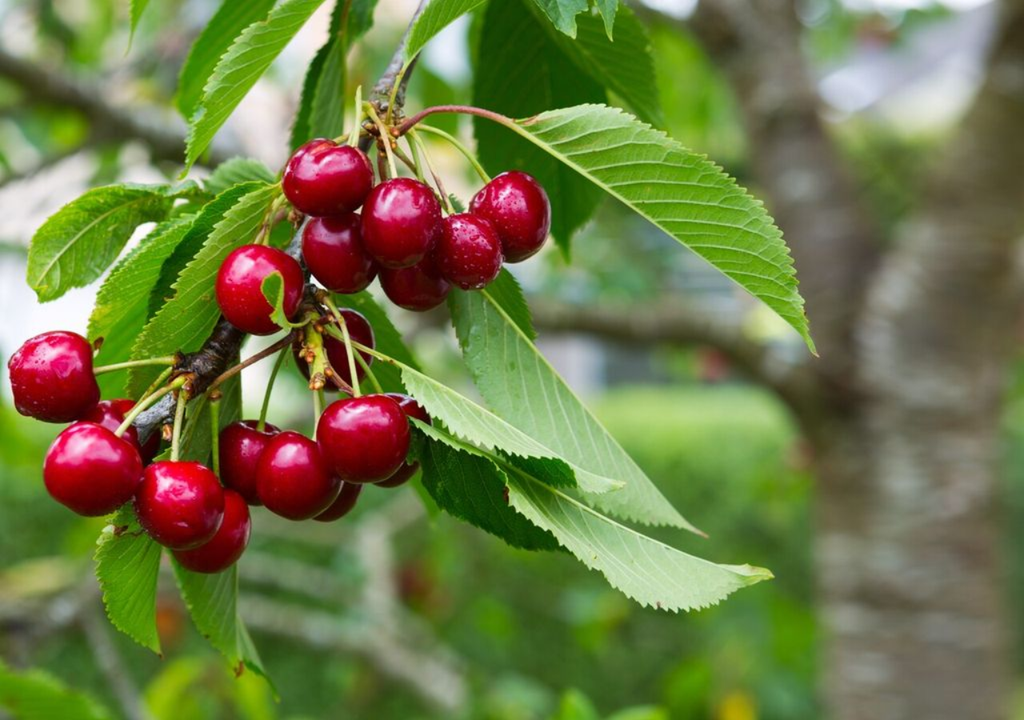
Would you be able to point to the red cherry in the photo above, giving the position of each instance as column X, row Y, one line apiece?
column 293, row 479
column 333, row 250
column 52, row 379
column 324, row 178
column 91, row 470
column 412, row 409
column 360, row 331
column 364, row 439
column 180, row 504
column 240, row 287
column 343, row 505
column 401, row 476
column 241, row 444
column 469, row 251
column 401, row 222
column 111, row 413
column 519, row 210
column 418, row 288
column 227, row 544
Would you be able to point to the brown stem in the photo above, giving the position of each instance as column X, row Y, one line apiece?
column 252, row 360
column 465, row 109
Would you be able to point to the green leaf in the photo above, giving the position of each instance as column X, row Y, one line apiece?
column 184, row 322
column 436, row 16
column 75, row 245
column 646, row 570
column 386, row 337
column 322, row 105
column 521, row 387
column 197, row 436
column 575, row 706
column 37, row 695
column 235, row 171
column 272, row 288
column 249, row 56
column 224, row 27
column 358, row 21
column 679, row 191
column 138, row 7
column 122, row 304
column 522, row 71
column 127, row 565
column 469, row 486
column 608, row 8
column 562, row 13
column 300, row 125
column 212, row 600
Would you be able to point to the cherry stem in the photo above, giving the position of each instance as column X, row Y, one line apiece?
column 145, row 402
column 460, row 147
column 270, row 388
column 215, row 430
column 270, row 219
column 160, row 380
column 353, row 136
column 179, row 420
column 369, row 373
column 410, row 123
column 394, row 91
column 418, row 169
column 167, row 360
column 409, row 163
column 251, row 360
column 385, row 138
column 318, row 408
column 433, row 172
column 347, row 339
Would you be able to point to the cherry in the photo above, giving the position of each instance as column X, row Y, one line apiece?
column 111, row 413
column 401, row 222
column 360, row 331
column 519, row 210
column 333, row 250
column 240, row 287
column 412, row 409
column 241, row 444
column 364, row 439
column 324, row 178
column 469, row 251
column 52, row 379
column 343, row 505
column 227, row 544
column 180, row 504
column 91, row 470
column 293, row 479
column 418, row 288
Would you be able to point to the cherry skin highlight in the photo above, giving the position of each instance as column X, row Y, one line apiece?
column 518, row 208
column 111, row 413
column 344, row 503
column 293, row 479
column 227, row 544
column 180, row 504
column 241, row 444
column 468, row 253
column 90, row 470
column 324, row 178
column 240, row 287
column 401, row 222
column 360, row 331
column 412, row 409
column 364, row 439
column 418, row 288
column 52, row 379
column 334, row 254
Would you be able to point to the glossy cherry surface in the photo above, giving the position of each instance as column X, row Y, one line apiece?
column 51, row 377
column 111, row 413
column 227, row 544
column 518, row 208
column 90, row 470
column 364, row 439
column 180, row 504
column 240, row 287
column 334, row 254
column 343, row 504
column 293, row 479
column 241, row 444
column 468, row 254
column 418, row 288
column 324, row 178
column 360, row 331
column 401, row 222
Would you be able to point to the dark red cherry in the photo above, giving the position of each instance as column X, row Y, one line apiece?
column 418, row 288
column 412, row 409
column 227, row 544
column 344, row 503
column 111, row 413
column 324, row 178
column 401, row 477
column 360, row 331
column 240, row 287
column 401, row 222
column 468, row 253
column 293, row 479
column 519, row 210
column 241, row 444
column 333, row 250
column 52, row 379
column 180, row 504
column 364, row 439
column 91, row 470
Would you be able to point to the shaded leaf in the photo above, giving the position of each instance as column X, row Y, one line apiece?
column 562, row 13
column 235, row 171
column 436, row 16
column 37, row 695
